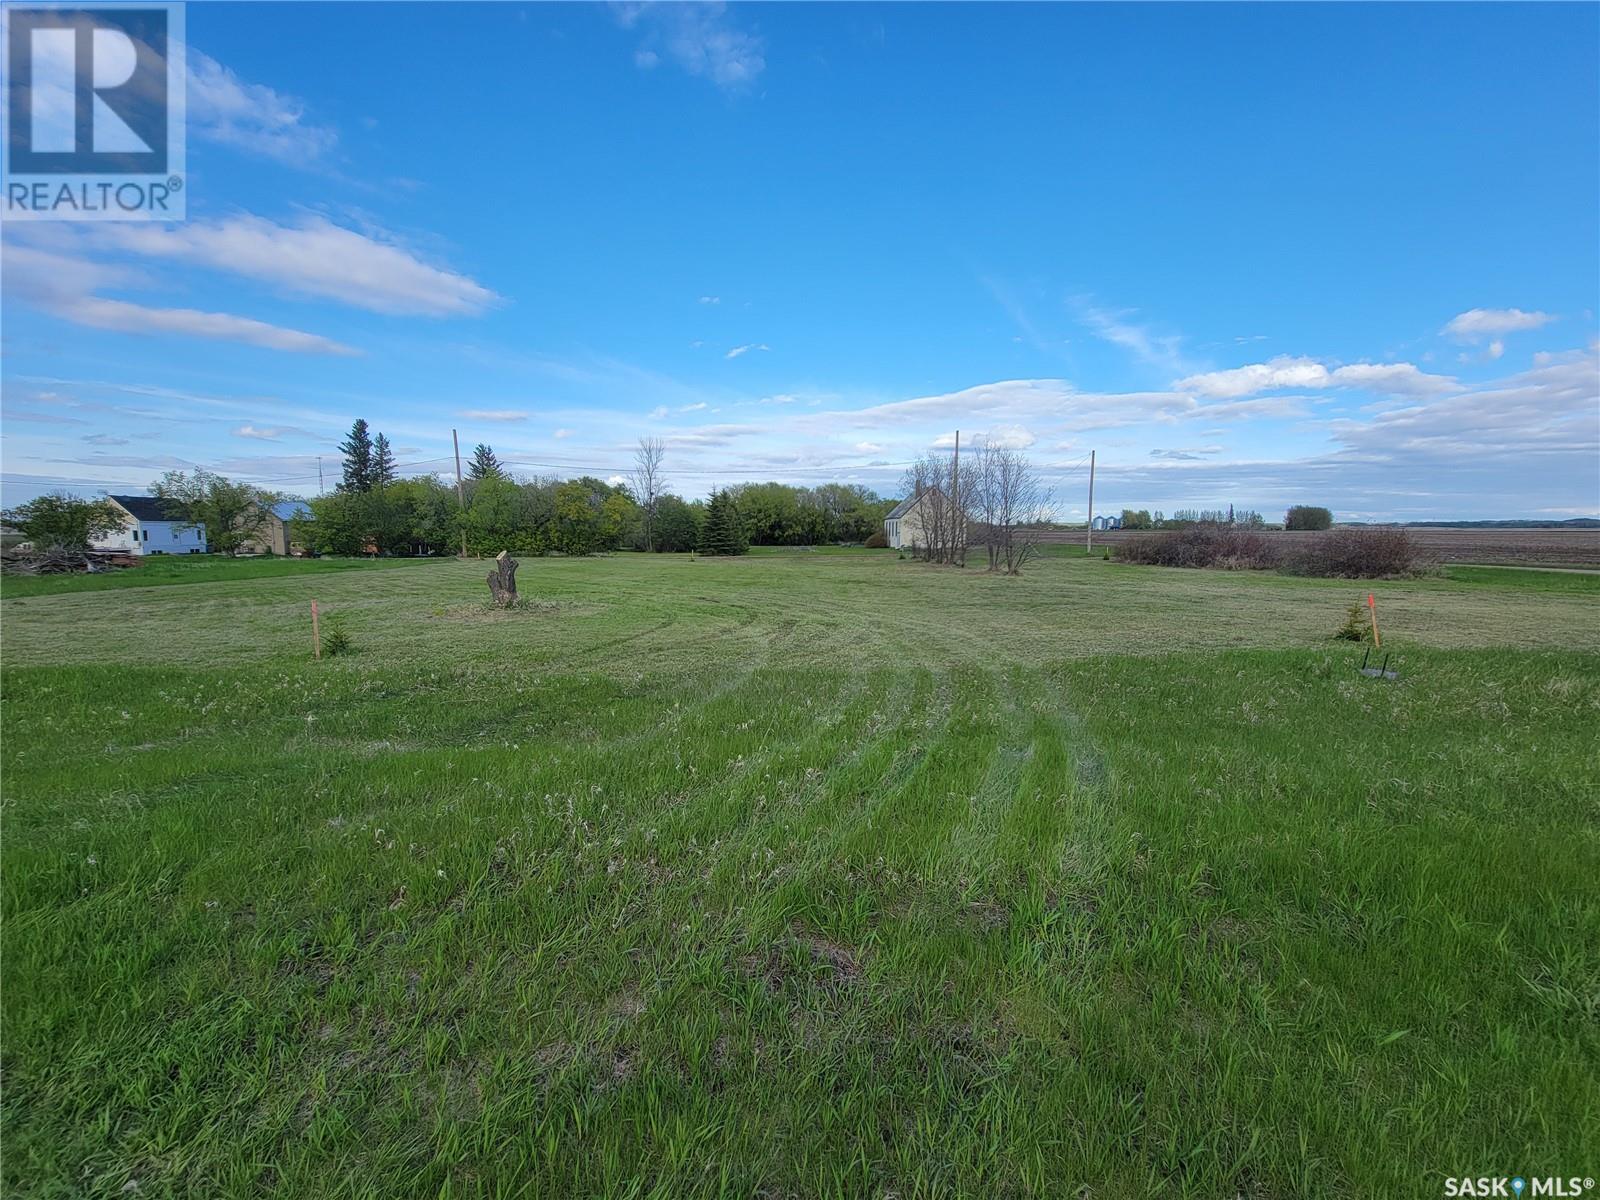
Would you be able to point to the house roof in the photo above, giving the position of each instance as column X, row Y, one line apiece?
column 905, row 506
column 291, row 510
column 145, row 508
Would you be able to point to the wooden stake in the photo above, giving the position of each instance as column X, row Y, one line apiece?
column 316, row 632
column 1372, row 607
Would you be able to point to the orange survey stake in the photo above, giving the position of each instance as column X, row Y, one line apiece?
column 1372, row 607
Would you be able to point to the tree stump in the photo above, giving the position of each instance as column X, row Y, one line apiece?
column 503, row 580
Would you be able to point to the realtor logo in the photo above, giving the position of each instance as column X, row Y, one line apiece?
column 94, row 103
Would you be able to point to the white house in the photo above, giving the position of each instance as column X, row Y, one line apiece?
column 906, row 524
column 150, row 529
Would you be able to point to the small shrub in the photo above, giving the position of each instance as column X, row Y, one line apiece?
column 1356, row 627
column 1206, row 544
column 1375, row 553
column 336, row 639
column 877, row 541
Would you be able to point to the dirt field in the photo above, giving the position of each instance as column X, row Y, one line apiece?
column 1518, row 547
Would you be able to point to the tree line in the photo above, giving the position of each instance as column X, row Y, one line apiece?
column 372, row 512
column 1183, row 518
column 1300, row 516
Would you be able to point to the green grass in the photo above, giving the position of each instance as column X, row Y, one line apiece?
column 1548, row 579
column 798, row 875
column 630, row 613
column 162, row 569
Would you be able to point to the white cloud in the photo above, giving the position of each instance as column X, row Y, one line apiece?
column 1286, row 372
column 314, row 258
column 738, row 350
column 1034, row 402
column 1151, row 348
column 1257, row 377
column 701, row 38
column 124, row 317
column 492, row 414
column 1239, row 410
column 560, row 434
column 659, row 412
column 224, row 108
column 710, row 299
column 1551, row 409
column 65, row 287
column 1397, row 379
column 1008, row 437
column 1478, row 323
column 264, row 435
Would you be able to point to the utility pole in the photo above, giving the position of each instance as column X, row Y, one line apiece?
column 959, row 540
column 461, row 495
column 1088, row 539
column 321, row 487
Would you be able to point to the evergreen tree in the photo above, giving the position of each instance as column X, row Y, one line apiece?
column 383, row 468
column 484, row 464
column 357, row 451
column 722, row 532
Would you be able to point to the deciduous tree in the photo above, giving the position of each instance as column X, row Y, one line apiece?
column 66, row 522
column 1307, row 516
column 232, row 514
column 649, row 482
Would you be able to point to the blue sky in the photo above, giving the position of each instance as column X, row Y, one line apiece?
column 1253, row 254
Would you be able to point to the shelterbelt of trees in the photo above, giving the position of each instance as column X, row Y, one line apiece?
column 574, row 516
column 373, row 512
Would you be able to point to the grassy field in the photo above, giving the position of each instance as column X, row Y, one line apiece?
column 163, row 569
column 799, row 875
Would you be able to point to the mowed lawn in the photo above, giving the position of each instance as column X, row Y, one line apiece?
column 799, row 875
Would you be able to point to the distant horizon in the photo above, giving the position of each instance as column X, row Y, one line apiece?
column 1334, row 255
column 94, row 491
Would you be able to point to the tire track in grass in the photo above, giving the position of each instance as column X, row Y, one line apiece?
column 910, row 828
column 860, row 835
column 1060, row 795
column 723, row 804
column 970, row 851
column 610, row 644
column 867, row 723
column 882, row 766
